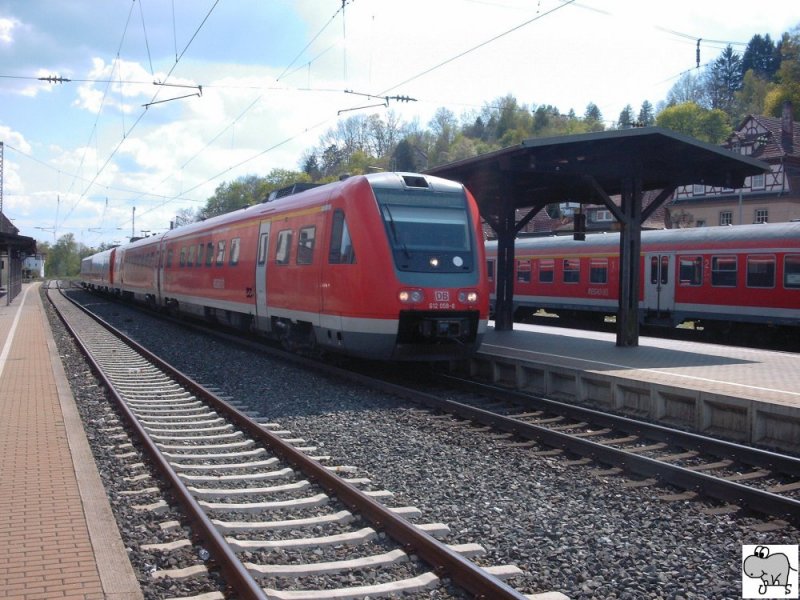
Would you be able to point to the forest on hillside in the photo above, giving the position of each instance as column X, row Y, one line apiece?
column 706, row 103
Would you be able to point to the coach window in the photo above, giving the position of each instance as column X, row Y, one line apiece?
column 723, row 271
column 283, row 247
column 305, row 245
column 263, row 248
column 760, row 271
column 490, row 270
column 572, row 270
column 220, row 252
column 598, row 270
column 690, row 270
column 341, row 251
column 546, row 268
column 524, row 271
column 791, row 271
column 183, row 256
column 209, row 253
column 190, row 259
column 234, row 258
column 169, row 257
column 199, row 262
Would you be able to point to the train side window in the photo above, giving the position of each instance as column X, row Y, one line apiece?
column 182, row 260
column 598, row 270
column 305, row 245
column 490, row 270
column 572, row 270
column 220, row 253
column 234, row 257
column 199, row 255
column 209, row 253
column 341, row 250
column 761, row 271
column 546, row 269
column 524, row 271
column 190, row 258
column 283, row 247
column 169, row 258
column 690, row 270
column 723, row 271
column 791, row 271
column 263, row 247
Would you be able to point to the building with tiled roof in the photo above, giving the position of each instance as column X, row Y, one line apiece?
column 773, row 197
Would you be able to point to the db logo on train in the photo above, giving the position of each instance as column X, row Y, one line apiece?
column 441, row 296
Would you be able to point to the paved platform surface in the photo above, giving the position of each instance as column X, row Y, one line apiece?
column 740, row 394
column 58, row 537
column 747, row 373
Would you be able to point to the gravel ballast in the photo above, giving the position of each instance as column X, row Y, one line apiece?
column 569, row 530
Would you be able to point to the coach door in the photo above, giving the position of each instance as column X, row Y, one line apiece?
column 659, row 283
column 262, row 320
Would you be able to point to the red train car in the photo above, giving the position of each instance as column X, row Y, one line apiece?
column 721, row 277
column 385, row 266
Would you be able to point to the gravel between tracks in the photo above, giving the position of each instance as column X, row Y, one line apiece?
column 568, row 530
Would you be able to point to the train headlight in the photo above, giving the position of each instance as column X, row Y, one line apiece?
column 466, row 297
column 410, row 296
column 434, row 262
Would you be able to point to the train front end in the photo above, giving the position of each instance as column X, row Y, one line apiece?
column 436, row 259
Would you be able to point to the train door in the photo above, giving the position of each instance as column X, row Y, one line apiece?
column 659, row 283
column 262, row 320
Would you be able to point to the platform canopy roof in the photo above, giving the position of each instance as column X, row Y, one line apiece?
column 589, row 169
column 570, row 168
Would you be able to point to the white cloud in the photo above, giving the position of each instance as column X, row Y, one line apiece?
column 7, row 27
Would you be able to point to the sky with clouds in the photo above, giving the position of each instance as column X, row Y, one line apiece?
column 168, row 99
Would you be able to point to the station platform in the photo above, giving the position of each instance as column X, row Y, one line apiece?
column 58, row 536
column 741, row 394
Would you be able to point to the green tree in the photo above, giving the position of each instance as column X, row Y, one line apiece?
column 688, row 88
column 761, row 57
column 647, row 115
column 593, row 117
column 710, row 126
column 64, row 259
column 626, row 118
column 787, row 87
column 723, row 79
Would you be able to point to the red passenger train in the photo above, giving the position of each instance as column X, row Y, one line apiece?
column 386, row 266
column 729, row 279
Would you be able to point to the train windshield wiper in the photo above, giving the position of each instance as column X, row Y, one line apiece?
column 395, row 237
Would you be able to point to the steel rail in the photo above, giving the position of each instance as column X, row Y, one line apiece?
column 236, row 575
column 463, row 572
column 728, row 491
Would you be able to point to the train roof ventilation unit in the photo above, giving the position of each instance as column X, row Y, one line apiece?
column 415, row 181
column 295, row 188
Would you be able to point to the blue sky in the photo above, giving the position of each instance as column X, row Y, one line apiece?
column 81, row 155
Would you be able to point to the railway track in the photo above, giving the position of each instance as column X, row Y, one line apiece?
column 272, row 518
column 738, row 476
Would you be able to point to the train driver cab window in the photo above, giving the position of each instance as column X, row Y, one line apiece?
column 791, row 271
column 524, row 271
column 341, row 251
column 572, row 270
column 234, row 256
column 690, row 270
column 220, row 252
column 598, row 270
column 760, row 271
column 490, row 270
column 723, row 271
column 305, row 245
column 283, row 248
column 209, row 253
column 546, row 269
